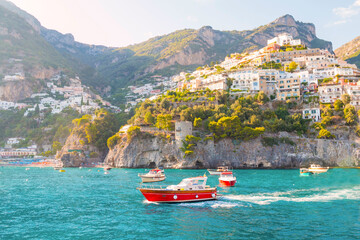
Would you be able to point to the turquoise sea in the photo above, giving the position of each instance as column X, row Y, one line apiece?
column 41, row 203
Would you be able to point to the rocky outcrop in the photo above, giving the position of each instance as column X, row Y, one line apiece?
column 16, row 90
column 153, row 151
column 75, row 154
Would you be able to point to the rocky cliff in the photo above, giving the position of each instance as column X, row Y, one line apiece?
column 151, row 151
column 76, row 154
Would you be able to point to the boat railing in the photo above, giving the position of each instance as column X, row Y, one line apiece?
column 153, row 186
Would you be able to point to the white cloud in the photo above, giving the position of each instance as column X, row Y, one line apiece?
column 191, row 19
column 345, row 12
column 348, row 12
column 340, row 22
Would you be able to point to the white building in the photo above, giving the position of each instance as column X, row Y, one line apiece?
column 333, row 71
column 284, row 39
column 12, row 141
column 354, row 92
column 329, row 93
column 6, row 105
column 312, row 113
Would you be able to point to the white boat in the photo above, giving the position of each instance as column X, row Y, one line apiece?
column 154, row 175
column 315, row 168
column 218, row 171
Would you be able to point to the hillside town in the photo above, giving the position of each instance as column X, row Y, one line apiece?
column 61, row 92
column 284, row 70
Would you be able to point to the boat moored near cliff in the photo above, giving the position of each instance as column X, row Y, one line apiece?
column 219, row 170
column 154, row 175
column 188, row 190
column 315, row 168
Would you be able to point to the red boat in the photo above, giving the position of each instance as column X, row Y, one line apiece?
column 227, row 179
column 188, row 190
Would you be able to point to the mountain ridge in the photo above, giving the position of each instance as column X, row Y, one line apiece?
column 114, row 68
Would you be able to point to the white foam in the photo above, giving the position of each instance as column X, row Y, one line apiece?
column 148, row 202
column 225, row 205
column 267, row 198
column 192, row 204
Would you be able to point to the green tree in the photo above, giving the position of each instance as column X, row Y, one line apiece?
column 326, row 121
column 113, row 140
column 164, row 121
column 165, row 104
column 56, row 146
column 262, row 98
column 37, row 109
column 338, row 105
column 325, row 134
column 198, row 122
column 133, row 131
column 327, row 112
column 292, row 66
column 149, row 118
column 345, row 98
column 349, row 114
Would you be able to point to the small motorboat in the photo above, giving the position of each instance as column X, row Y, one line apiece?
column 188, row 190
column 154, row 175
column 305, row 172
column 219, row 170
column 315, row 168
column 107, row 168
column 227, row 179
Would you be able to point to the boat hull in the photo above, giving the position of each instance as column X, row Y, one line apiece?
column 227, row 183
column 152, row 179
column 318, row 170
column 214, row 172
column 172, row 196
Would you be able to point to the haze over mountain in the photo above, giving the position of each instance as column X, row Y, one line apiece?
column 110, row 69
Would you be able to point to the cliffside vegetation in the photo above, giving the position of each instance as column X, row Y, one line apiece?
column 215, row 113
column 96, row 129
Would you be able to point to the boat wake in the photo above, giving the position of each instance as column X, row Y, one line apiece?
column 298, row 196
column 226, row 205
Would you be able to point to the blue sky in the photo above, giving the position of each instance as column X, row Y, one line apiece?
column 123, row 22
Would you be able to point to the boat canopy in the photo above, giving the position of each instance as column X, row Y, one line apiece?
column 226, row 173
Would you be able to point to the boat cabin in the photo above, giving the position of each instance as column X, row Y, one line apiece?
column 155, row 171
column 194, row 183
column 226, row 175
